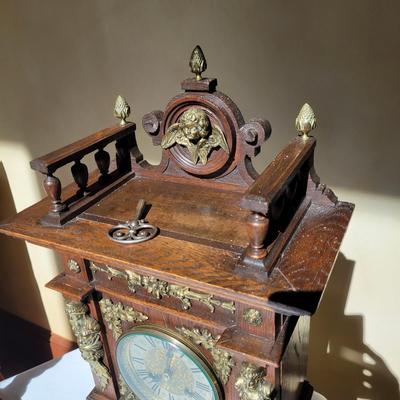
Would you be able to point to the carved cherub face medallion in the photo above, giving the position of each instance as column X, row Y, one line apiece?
column 194, row 131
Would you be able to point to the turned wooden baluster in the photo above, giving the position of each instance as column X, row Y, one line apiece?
column 103, row 162
column 122, row 157
column 80, row 173
column 52, row 186
column 257, row 229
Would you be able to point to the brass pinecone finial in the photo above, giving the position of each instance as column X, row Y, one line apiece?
column 121, row 109
column 198, row 63
column 306, row 121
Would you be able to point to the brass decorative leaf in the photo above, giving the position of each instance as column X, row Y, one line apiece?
column 159, row 288
column 253, row 317
column 223, row 361
column 170, row 136
column 251, row 384
column 115, row 313
column 87, row 332
column 124, row 391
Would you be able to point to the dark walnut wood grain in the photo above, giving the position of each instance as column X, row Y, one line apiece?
column 252, row 253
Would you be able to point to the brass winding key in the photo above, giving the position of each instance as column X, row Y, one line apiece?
column 134, row 231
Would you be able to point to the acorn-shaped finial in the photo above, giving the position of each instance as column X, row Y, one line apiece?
column 306, row 121
column 122, row 110
column 198, row 63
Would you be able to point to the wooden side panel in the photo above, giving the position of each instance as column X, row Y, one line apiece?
column 294, row 364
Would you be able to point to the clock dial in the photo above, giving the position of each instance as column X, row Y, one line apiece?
column 157, row 364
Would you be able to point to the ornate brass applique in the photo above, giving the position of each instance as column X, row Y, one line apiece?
column 251, row 384
column 122, row 110
column 159, row 288
column 74, row 266
column 115, row 313
column 124, row 391
column 87, row 332
column 194, row 131
column 223, row 361
column 253, row 317
column 186, row 295
column 306, row 121
column 198, row 63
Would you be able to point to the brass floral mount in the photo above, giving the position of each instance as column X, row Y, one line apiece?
column 158, row 288
column 223, row 361
column 194, row 131
column 74, row 266
column 87, row 332
column 251, row 384
column 253, row 317
column 115, row 313
column 124, row 391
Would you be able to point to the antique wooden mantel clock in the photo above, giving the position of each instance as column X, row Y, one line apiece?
column 205, row 292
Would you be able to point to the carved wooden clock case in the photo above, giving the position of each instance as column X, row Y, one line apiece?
column 217, row 304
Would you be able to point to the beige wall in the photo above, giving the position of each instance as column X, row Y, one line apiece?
column 62, row 63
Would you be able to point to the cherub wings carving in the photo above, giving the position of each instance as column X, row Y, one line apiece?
column 194, row 131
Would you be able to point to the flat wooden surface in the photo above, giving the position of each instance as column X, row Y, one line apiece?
column 184, row 211
column 295, row 285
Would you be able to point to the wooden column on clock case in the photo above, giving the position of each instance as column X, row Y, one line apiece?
column 80, row 296
column 240, row 261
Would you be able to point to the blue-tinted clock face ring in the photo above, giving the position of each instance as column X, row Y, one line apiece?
column 158, row 364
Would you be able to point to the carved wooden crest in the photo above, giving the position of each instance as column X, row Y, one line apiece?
column 203, row 134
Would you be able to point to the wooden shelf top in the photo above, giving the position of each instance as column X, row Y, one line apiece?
column 202, row 249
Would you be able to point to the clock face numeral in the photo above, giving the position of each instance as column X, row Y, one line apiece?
column 155, row 387
column 150, row 341
column 202, row 386
column 138, row 360
column 156, row 366
column 144, row 373
column 165, row 345
column 197, row 396
column 140, row 347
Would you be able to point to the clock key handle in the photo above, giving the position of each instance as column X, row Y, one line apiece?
column 140, row 208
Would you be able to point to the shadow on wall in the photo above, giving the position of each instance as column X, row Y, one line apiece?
column 341, row 366
column 19, row 296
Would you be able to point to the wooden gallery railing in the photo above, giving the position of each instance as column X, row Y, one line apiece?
column 277, row 202
column 90, row 188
